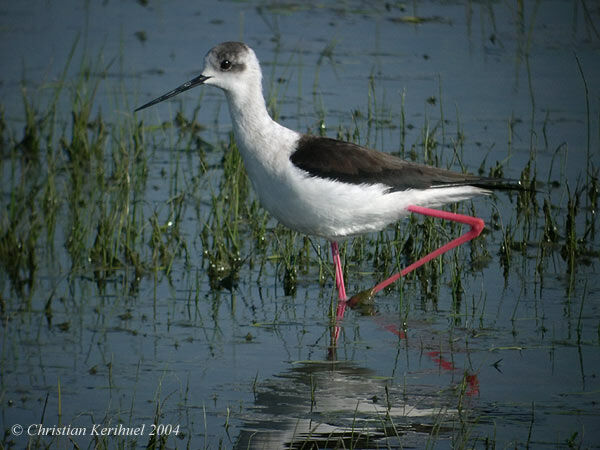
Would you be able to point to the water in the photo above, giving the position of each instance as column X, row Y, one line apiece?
column 514, row 360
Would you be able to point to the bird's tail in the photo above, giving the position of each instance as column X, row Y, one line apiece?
column 493, row 184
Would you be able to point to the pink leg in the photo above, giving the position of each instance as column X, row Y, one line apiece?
column 339, row 272
column 476, row 228
column 475, row 223
column 341, row 288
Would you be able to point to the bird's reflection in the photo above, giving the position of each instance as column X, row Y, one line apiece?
column 328, row 404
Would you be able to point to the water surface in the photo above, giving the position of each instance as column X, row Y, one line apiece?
column 508, row 357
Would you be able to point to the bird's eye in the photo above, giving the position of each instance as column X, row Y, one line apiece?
column 225, row 64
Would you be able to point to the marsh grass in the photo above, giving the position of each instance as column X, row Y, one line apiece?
column 76, row 190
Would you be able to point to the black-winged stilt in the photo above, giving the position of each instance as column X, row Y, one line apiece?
column 325, row 187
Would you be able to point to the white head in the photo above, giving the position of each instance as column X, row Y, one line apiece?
column 231, row 66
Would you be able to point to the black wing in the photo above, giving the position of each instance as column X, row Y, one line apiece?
column 351, row 163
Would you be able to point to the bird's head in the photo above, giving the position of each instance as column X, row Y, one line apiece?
column 231, row 66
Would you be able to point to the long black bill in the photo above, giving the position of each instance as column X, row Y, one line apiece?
column 200, row 79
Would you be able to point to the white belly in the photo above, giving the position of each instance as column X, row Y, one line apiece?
column 320, row 206
column 335, row 210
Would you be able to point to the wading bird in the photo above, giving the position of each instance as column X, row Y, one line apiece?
column 326, row 187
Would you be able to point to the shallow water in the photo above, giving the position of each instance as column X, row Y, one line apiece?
column 514, row 360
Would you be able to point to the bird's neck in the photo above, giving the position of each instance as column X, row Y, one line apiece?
column 248, row 110
column 255, row 131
